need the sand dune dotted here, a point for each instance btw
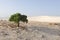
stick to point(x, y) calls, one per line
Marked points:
point(45, 19)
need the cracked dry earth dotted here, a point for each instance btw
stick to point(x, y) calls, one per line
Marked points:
point(30, 33)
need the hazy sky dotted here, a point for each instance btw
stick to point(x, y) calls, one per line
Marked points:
point(30, 7)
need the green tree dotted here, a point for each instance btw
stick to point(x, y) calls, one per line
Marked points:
point(24, 18)
point(18, 17)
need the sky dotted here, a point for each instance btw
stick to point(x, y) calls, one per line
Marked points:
point(30, 7)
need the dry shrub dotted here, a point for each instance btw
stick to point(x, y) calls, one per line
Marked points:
point(55, 23)
point(50, 23)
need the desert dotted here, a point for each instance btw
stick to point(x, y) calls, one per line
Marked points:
point(29, 19)
point(33, 30)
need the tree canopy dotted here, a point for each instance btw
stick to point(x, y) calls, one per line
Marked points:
point(17, 17)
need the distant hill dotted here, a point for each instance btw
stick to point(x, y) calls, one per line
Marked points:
point(54, 19)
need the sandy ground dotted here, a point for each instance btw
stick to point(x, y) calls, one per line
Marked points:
point(32, 31)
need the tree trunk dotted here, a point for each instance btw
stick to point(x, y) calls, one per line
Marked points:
point(18, 24)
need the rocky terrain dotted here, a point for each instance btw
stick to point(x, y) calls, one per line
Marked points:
point(32, 31)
